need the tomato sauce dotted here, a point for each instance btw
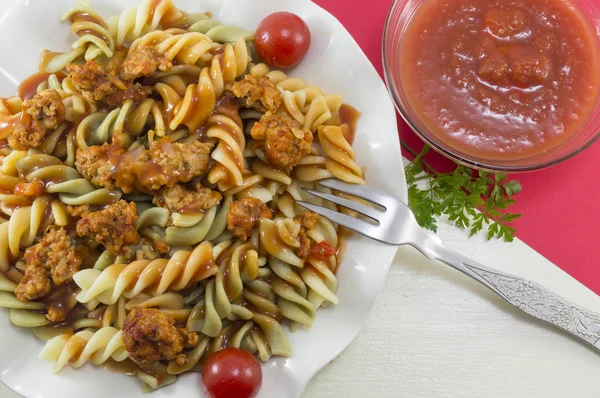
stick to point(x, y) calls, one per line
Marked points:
point(501, 79)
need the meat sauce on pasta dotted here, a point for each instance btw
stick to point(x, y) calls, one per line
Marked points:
point(148, 187)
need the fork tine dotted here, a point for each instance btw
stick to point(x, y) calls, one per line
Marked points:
point(350, 204)
point(359, 226)
point(360, 191)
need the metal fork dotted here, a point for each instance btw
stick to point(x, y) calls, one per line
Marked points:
point(396, 225)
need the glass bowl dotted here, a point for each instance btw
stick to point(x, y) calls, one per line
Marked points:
point(398, 18)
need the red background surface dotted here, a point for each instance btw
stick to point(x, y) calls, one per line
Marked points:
point(559, 205)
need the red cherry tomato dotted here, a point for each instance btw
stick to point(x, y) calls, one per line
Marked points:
point(322, 251)
point(232, 373)
point(282, 39)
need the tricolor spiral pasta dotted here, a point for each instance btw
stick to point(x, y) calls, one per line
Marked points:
point(189, 48)
point(211, 248)
point(260, 335)
point(25, 224)
point(76, 105)
point(25, 315)
point(10, 113)
point(200, 99)
point(189, 230)
point(218, 32)
point(123, 123)
point(229, 154)
point(306, 104)
point(65, 181)
point(154, 277)
point(134, 22)
point(340, 155)
point(280, 239)
point(92, 31)
point(85, 346)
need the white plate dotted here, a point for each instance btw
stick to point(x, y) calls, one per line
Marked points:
point(336, 64)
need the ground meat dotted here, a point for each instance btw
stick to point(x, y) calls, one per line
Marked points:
point(97, 163)
point(285, 141)
point(41, 115)
point(35, 283)
point(96, 81)
point(32, 189)
point(143, 62)
point(165, 164)
point(63, 258)
point(52, 259)
point(150, 335)
point(135, 92)
point(304, 250)
point(114, 82)
point(78, 211)
point(258, 93)
point(245, 215)
point(307, 219)
point(179, 198)
point(114, 227)
point(160, 246)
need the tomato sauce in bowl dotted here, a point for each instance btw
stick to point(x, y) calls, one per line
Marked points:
point(500, 79)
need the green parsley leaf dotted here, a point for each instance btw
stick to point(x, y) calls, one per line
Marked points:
point(472, 200)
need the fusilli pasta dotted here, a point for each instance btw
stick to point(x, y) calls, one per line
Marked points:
point(148, 195)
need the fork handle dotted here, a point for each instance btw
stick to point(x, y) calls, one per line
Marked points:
point(529, 297)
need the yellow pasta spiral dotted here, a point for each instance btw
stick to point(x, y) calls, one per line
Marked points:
point(135, 22)
point(92, 31)
point(25, 224)
point(280, 239)
point(229, 154)
point(200, 99)
point(188, 48)
point(10, 113)
point(306, 104)
point(155, 277)
point(85, 346)
point(340, 155)
point(312, 168)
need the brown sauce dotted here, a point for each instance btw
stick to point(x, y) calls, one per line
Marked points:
point(85, 16)
point(136, 92)
point(155, 370)
point(28, 87)
point(47, 57)
point(62, 299)
point(126, 367)
point(75, 346)
point(349, 116)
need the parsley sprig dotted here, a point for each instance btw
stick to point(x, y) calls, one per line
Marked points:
point(472, 200)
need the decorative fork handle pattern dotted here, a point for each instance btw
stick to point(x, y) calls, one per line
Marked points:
point(528, 296)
